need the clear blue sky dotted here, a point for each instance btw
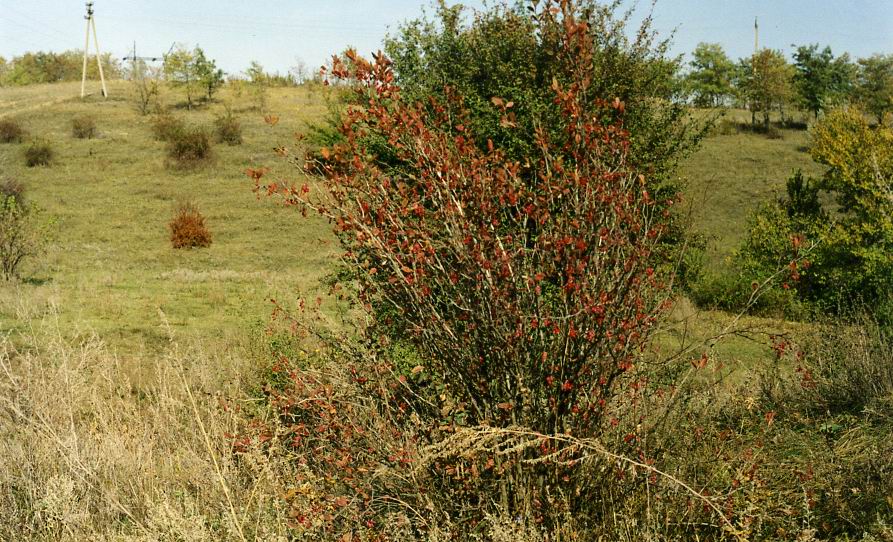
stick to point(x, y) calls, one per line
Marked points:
point(276, 32)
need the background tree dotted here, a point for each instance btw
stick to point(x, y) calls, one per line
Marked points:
point(179, 71)
point(874, 87)
point(710, 80)
point(209, 76)
point(764, 83)
point(851, 261)
point(501, 52)
point(820, 79)
point(40, 67)
point(300, 71)
point(256, 73)
point(259, 81)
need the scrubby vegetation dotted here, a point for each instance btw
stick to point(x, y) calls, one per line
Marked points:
point(11, 131)
point(189, 147)
point(83, 127)
point(24, 231)
point(166, 126)
point(568, 306)
point(188, 229)
point(39, 152)
point(228, 128)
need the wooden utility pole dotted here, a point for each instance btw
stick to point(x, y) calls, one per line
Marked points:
point(91, 23)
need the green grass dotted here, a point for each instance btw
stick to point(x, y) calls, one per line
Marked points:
point(732, 174)
point(112, 269)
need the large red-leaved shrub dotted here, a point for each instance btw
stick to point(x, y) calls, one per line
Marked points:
point(508, 304)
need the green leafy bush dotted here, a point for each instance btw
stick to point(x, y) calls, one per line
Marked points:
point(83, 127)
point(39, 153)
point(189, 147)
point(11, 131)
point(166, 126)
point(837, 255)
point(228, 128)
point(24, 232)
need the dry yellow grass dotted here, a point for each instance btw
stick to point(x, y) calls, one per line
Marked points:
point(91, 448)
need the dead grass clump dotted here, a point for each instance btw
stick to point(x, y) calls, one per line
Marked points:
point(83, 127)
point(91, 448)
point(11, 131)
point(188, 228)
point(189, 148)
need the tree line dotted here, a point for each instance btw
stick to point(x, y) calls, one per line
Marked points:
point(815, 80)
point(49, 67)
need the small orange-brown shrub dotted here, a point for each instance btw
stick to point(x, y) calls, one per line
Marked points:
point(188, 228)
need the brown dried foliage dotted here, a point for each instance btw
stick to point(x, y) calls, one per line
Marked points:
point(188, 228)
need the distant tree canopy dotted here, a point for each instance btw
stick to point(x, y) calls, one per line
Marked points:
point(257, 75)
point(851, 242)
point(709, 83)
point(193, 72)
point(41, 67)
point(504, 53)
point(764, 82)
point(874, 86)
point(820, 79)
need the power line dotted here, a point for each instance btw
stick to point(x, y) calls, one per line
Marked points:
point(252, 25)
point(42, 23)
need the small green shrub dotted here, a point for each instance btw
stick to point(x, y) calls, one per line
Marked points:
point(166, 126)
point(189, 148)
point(11, 131)
point(228, 128)
point(39, 153)
point(24, 233)
point(188, 228)
point(83, 127)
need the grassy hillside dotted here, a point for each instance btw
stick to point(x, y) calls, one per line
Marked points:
point(112, 268)
point(732, 174)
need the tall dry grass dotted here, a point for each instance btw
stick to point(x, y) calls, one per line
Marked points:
point(94, 446)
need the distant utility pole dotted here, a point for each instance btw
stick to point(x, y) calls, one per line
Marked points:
point(91, 22)
point(753, 62)
point(756, 36)
point(134, 59)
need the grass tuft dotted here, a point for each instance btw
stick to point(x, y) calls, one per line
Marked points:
point(83, 127)
point(11, 131)
point(39, 153)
